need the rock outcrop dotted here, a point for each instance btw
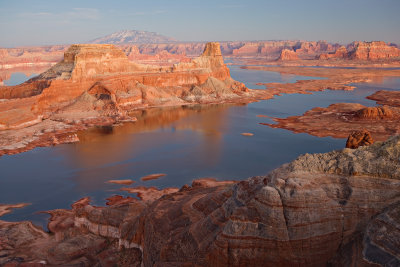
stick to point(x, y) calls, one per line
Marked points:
point(340, 120)
point(366, 51)
point(287, 54)
point(383, 97)
point(373, 51)
point(340, 53)
point(322, 208)
point(375, 113)
point(359, 138)
point(97, 85)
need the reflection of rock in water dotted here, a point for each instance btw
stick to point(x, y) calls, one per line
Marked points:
point(155, 128)
point(106, 129)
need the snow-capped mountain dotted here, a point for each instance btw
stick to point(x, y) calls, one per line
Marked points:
point(132, 37)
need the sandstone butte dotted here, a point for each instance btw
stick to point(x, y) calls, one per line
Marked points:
point(98, 85)
point(339, 209)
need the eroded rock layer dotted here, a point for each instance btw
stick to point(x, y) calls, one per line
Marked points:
point(377, 50)
point(338, 208)
point(97, 85)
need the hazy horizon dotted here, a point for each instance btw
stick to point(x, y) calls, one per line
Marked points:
point(44, 22)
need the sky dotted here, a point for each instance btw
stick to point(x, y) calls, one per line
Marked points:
point(48, 22)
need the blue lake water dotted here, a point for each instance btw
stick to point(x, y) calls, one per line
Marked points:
point(184, 142)
point(17, 78)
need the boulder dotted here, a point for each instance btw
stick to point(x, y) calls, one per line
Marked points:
point(359, 138)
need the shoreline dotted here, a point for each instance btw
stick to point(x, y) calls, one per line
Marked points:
point(337, 79)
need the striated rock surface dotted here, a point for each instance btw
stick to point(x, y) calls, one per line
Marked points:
point(340, 53)
point(98, 85)
point(373, 51)
point(359, 138)
point(376, 50)
point(335, 208)
point(375, 113)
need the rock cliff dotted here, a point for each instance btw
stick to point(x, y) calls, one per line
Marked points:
point(320, 209)
point(97, 84)
point(377, 50)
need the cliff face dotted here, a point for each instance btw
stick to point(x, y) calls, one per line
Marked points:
point(365, 51)
point(97, 85)
point(90, 68)
point(373, 51)
point(335, 208)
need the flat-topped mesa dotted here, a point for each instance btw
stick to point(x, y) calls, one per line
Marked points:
point(373, 51)
point(377, 50)
point(84, 61)
point(90, 60)
point(98, 81)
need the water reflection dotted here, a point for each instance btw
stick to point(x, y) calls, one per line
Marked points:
point(105, 152)
point(18, 75)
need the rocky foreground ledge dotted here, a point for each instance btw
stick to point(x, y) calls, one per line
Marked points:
point(340, 208)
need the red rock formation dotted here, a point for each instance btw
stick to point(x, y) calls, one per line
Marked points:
point(322, 208)
point(383, 97)
point(375, 113)
point(340, 120)
point(340, 53)
point(359, 138)
point(287, 54)
point(373, 51)
point(97, 84)
point(365, 51)
point(31, 56)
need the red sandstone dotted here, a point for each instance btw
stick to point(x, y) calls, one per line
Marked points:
point(98, 85)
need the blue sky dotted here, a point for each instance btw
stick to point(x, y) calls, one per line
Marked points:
point(43, 22)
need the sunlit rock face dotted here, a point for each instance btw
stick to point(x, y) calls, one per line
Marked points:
point(377, 50)
point(97, 85)
point(287, 55)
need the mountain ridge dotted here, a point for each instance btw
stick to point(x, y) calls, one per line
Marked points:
point(132, 37)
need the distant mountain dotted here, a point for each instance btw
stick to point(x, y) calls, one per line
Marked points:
point(133, 37)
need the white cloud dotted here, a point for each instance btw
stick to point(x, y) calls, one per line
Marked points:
point(68, 16)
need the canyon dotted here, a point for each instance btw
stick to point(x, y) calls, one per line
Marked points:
point(307, 53)
point(337, 208)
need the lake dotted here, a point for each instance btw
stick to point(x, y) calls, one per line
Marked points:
point(184, 142)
